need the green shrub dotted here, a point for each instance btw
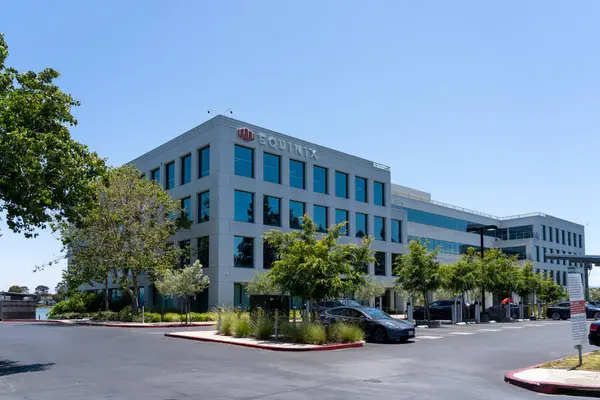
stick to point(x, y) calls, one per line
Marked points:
point(212, 316)
point(262, 328)
point(106, 316)
point(242, 328)
point(200, 317)
point(228, 321)
point(313, 333)
point(345, 333)
point(71, 315)
point(172, 317)
point(77, 303)
point(293, 332)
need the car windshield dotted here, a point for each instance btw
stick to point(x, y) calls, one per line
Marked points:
point(375, 313)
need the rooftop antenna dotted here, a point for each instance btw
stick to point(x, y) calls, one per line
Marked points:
point(213, 112)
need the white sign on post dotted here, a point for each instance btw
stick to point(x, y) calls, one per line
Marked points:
point(578, 315)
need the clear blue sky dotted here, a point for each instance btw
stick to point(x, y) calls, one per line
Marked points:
point(493, 107)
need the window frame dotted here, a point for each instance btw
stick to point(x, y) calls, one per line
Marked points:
point(376, 235)
point(366, 189)
point(251, 239)
point(345, 231)
point(201, 158)
point(375, 183)
point(303, 163)
point(321, 208)
point(315, 167)
point(182, 169)
point(336, 184)
point(265, 202)
point(290, 214)
point(278, 157)
point(167, 180)
point(201, 208)
point(235, 191)
point(366, 233)
point(252, 175)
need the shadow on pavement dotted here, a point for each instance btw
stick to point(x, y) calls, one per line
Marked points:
point(8, 367)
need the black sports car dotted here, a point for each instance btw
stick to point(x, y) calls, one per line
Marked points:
point(594, 336)
point(377, 325)
point(563, 311)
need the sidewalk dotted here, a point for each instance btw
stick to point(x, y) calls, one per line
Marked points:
point(554, 381)
point(115, 324)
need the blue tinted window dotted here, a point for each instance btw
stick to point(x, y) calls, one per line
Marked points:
point(445, 246)
point(342, 216)
point(296, 214)
point(519, 251)
point(378, 195)
point(204, 207)
point(202, 251)
point(270, 255)
point(170, 172)
point(379, 228)
point(550, 230)
point(185, 252)
point(244, 206)
point(320, 218)
point(243, 249)
point(244, 161)
point(396, 231)
point(557, 239)
point(569, 238)
point(319, 179)
point(186, 205)
point(380, 263)
point(543, 232)
point(361, 225)
point(360, 188)
point(341, 184)
point(186, 169)
point(155, 175)
point(297, 174)
point(426, 218)
point(204, 162)
point(271, 214)
point(271, 168)
point(580, 242)
point(520, 232)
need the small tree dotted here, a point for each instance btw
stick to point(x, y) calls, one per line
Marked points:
point(41, 290)
point(528, 282)
point(418, 271)
point(15, 289)
point(262, 284)
point(372, 288)
point(497, 273)
point(184, 283)
point(314, 265)
point(461, 276)
point(550, 292)
point(595, 294)
point(24, 290)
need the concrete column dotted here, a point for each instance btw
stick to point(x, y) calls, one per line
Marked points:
point(285, 213)
point(388, 264)
point(351, 186)
point(392, 299)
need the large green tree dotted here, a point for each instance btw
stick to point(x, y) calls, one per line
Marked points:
point(462, 276)
point(595, 294)
point(418, 271)
point(262, 284)
point(315, 266)
point(45, 174)
point(128, 230)
point(497, 273)
point(528, 282)
point(371, 289)
point(550, 292)
point(42, 290)
point(15, 289)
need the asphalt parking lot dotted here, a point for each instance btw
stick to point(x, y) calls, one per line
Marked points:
point(45, 361)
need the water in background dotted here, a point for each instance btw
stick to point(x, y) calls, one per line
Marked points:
point(40, 313)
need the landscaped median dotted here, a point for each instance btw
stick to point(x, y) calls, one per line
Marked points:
point(561, 376)
point(263, 331)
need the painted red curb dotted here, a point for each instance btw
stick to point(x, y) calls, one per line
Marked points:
point(326, 347)
point(547, 387)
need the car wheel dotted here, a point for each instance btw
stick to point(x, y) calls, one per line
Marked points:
point(556, 316)
point(379, 335)
point(597, 315)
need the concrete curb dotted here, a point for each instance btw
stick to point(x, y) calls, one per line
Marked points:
point(116, 325)
point(324, 347)
point(549, 387)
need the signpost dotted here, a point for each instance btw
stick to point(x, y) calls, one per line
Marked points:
point(578, 315)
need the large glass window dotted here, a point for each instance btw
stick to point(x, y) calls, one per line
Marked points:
point(574, 239)
point(396, 231)
point(341, 184)
point(380, 263)
point(378, 193)
point(296, 214)
point(271, 211)
point(519, 251)
point(272, 168)
point(184, 252)
point(361, 225)
point(155, 175)
point(580, 242)
point(170, 172)
point(297, 174)
point(551, 252)
point(204, 162)
point(186, 206)
point(556, 231)
point(520, 232)
point(202, 250)
point(360, 189)
point(243, 249)
point(562, 233)
point(441, 221)
point(243, 161)
point(270, 255)
point(569, 238)
point(342, 216)
point(550, 230)
point(319, 179)
point(204, 207)
point(537, 253)
point(544, 254)
point(379, 228)
point(186, 169)
point(244, 206)
point(543, 232)
point(240, 297)
point(320, 218)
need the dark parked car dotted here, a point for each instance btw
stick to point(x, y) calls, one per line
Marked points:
point(442, 309)
point(594, 336)
point(332, 303)
point(498, 313)
point(377, 325)
point(563, 311)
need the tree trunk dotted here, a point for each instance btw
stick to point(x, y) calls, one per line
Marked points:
point(106, 293)
point(134, 294)
point(187, 310)
point(426, 300)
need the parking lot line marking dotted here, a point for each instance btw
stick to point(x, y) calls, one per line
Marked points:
point(528, 325)
point(512, 327)
point(430, 337)
point(461, 333)
point(489, 330)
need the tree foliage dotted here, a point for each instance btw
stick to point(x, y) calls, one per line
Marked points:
point(462, 276)
point(498, 273)
point(262, 284)
point(128, 230)
point(372, 288)
point(15, 289)
point(315, 266)
point(418, 271)
point(24, 290)
point(45, 174)
point(550, 292)
point(42, 290)
point(528, 282)
point(595, 294)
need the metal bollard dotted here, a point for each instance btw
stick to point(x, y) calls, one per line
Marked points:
point(276, 324)
point(409, 310)
point(477, 312)
point(220, 311)
point(142, 314)
point(521, 310)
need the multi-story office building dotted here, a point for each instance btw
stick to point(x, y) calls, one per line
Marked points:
point(224, 170)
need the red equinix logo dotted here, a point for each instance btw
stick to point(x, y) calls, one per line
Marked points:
point(245, 134)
